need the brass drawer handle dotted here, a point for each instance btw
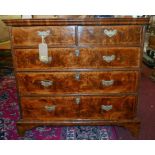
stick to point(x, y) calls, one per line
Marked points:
point(77, 100)
point(110, 33)
point(109, 59)
point(46, 83)
point(43, 34)
point(77, 53)
point(107, 82)
point(77, 76)
point(106, 107)
point(50, 108)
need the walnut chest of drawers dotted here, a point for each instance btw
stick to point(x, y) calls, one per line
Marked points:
point(91, 76)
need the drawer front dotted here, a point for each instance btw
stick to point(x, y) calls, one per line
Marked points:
point(28, 36)
point(110, 35)
point(109, 108)
point(78, 107)
point(48, 107)
point(77, 82)
point(66, 58)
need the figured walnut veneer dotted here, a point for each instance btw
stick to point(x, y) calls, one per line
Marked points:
point(92, 78)
point(125, 35)
point(66, 82)
point(28, 36)
point(89, 107)
point(65, 58)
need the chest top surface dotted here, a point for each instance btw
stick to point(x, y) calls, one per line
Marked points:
point(86, 21)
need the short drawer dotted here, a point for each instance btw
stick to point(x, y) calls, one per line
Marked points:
point(110, 35)
point(49, 107)
point(78, 107)
point(69, 58)
point(58, 35)
point(77, 82)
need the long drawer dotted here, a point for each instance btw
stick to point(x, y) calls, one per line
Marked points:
point(69, 58)
point(77, 82)
point(81, 107)
point(110, 35)
point(56, 35)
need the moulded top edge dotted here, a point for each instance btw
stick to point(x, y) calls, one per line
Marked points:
point(86, 21)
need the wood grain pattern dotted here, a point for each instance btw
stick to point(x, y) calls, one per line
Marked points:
point(89, 107)
point(89, 82)
point(123, 107)
point(28, 36)
point(35, 108)
point(65, 58)
point(126, 35)
point(152, 42)
point(82, 76)
point(87, 21)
